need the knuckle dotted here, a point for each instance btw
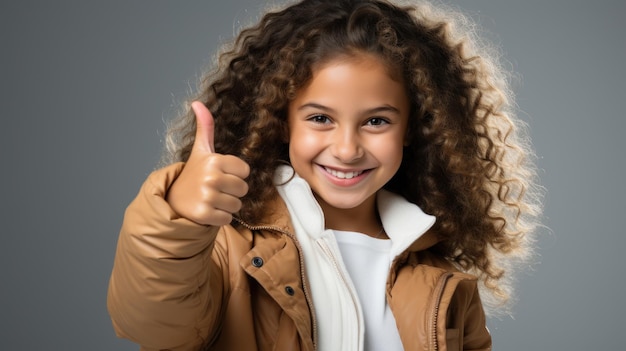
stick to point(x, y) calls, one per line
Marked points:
point(238, 205)
point(244, 189)
point(226, 218)
point(246, 170)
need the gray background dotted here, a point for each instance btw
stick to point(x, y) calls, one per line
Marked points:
point(86, 87)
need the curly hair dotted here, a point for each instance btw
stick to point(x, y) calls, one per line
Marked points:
point(468, 162)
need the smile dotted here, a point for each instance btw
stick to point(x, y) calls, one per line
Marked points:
point(343, 175)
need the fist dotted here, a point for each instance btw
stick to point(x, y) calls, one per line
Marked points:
point(210, 186)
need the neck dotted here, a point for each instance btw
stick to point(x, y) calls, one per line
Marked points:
point(361, 219)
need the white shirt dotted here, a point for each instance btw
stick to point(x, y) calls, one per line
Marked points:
point(368, 261)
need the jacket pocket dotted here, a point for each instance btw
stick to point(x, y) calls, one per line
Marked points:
point(287, 338)
point(453, 340)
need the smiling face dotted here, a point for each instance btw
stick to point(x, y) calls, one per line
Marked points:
point(346, 133)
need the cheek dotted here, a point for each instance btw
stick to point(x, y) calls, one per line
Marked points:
point(389, 151)
point(302, 146)
point(395, 157)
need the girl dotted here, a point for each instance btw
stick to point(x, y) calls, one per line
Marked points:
point(347, 177)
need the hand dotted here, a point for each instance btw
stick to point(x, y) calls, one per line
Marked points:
point(209, 188)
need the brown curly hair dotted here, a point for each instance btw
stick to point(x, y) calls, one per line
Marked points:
point(468, 162)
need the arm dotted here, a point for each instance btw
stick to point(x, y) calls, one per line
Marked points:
point(475, 335)
point(165, 291)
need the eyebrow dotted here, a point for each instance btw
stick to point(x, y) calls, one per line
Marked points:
point(383, 108)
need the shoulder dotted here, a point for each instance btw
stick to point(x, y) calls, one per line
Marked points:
point(430, 258)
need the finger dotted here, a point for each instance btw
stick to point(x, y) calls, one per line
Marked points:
point(227, 203)
point(217, 218)
point(205, 127)
point(233, 185)
point(234, 165)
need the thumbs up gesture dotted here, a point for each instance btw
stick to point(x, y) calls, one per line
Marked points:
point(209, 188)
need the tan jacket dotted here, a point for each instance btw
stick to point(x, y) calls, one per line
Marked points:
point(177, 285)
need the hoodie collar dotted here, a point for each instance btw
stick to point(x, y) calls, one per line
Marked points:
point(404, 222)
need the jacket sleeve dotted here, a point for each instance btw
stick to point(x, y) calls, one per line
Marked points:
point(476, 336)
point(165, 291)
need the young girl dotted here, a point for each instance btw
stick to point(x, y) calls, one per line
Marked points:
point(348, 178)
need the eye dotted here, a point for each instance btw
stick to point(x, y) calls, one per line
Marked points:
point(321, 119)
point(377, 121)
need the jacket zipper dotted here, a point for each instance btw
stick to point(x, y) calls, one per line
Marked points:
point(336, 265)
point(434, 311)
point(305, 288)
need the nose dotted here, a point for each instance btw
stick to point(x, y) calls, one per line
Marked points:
point(347, 146)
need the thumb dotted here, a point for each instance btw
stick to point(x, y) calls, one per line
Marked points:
point(205, 127)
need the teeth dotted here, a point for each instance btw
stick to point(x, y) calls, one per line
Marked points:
point(343, 175)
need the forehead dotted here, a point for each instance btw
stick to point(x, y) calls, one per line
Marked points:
point(394, 72)
point(352, 84)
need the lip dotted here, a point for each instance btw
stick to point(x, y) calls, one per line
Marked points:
point(344, 177)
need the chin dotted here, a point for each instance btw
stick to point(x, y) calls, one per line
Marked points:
point(343, 203)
